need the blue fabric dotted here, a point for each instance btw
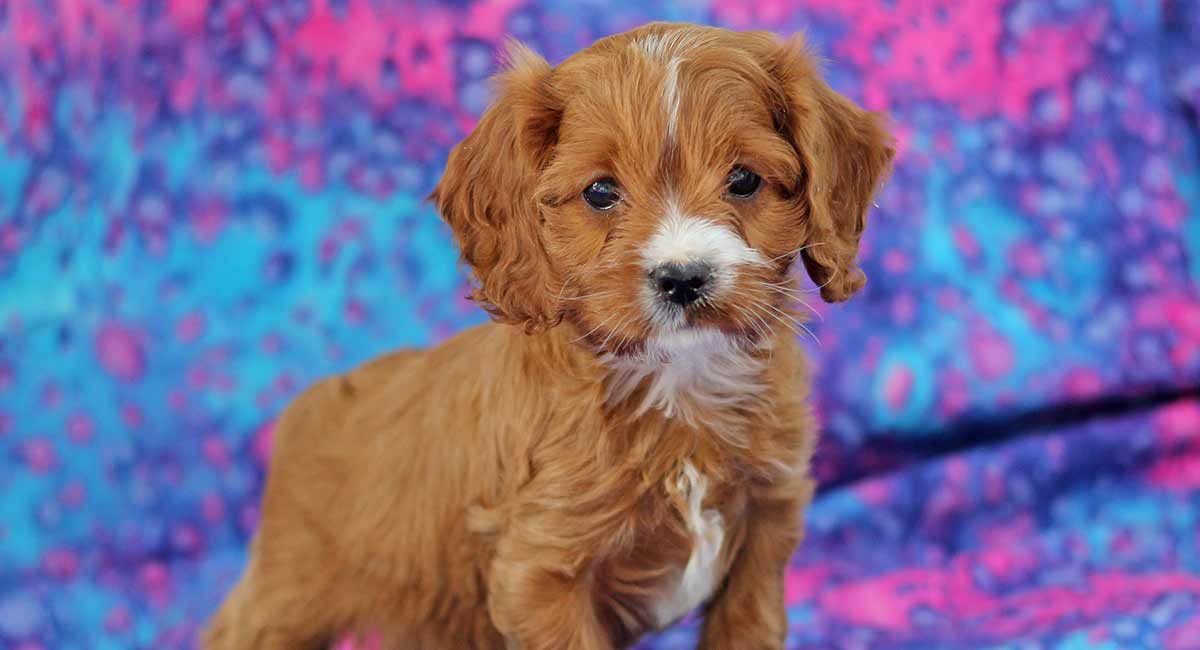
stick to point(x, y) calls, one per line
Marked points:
point(204, 207)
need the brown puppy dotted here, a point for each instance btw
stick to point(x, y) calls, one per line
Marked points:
point(631, 439)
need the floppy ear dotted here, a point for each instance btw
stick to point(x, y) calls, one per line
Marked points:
point(487, 194)
point(845, 153)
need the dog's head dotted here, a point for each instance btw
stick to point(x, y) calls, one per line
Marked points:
point(663, 181)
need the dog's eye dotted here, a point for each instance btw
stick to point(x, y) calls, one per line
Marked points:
point(742, 183)
point(602, 194)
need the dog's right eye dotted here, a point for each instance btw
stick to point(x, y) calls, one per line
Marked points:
point(602, 194)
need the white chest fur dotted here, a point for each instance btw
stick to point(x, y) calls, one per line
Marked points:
point(700, 576)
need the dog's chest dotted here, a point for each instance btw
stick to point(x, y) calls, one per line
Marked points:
point(695, 582)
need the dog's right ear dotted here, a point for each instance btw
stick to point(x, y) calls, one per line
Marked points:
point(487, 194)
point(845, 151)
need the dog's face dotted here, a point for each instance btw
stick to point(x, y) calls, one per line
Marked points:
point(662, 183)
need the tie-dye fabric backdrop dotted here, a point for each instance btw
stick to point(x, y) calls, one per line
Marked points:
point(206, 205)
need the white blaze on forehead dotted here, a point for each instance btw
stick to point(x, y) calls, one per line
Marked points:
point(690, 239)
point(671, 95)
point(665, 48)
point(662, 46)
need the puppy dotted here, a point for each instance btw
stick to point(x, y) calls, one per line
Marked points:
point(629, 440)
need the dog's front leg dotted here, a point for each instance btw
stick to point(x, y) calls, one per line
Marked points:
point(540, 595)
point(749, 611)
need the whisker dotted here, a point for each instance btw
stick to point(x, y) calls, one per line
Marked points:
point(756, 316)
point(599, 294)
point(760, 303)
point(593, 330)
point(778, 313)
point(795, 252)
point(620, 324)
point(798, 299)
point(760, 327)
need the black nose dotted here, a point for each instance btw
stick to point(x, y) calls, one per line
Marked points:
point(681, 284)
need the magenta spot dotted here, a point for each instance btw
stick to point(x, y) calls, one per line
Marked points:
point(7, 375)
point(80, 428)
point(154, 577)
point(327, 249)
point(488, 20)
point(187, 15)
point(190, 327)
point(802, 585)
point(885, 602)
point(10, 238)
point(131, 415)
point(119, 350)
point(1007, 561)
point(1184, 317)
point(896, 262)
point(355, 311)
point(1179, 422)
point(118, 619)
point(207, 220)
point(904, 308)
point(949, 299)
point(262, 442)
point(1183, 636)
point(897, 387)
point(875, 493)
point(212, 508)
point(51, 395)
point(966, 242)
point(61, 563)
point(1028, 259)
point(73, 494)
point(1122, 543)
point(359, 642)
point(1177, 473)
point(279, 153)
point(955, 395)
point(248, 516)
point(992, 355)
point(312, 172)
point(285, 383)
point(1083, 383)
point(197, 377)
point(271, 343)
point(184, 90)
point(40, 455)
point(223, 382)
point(216, 452)
point(186, 539)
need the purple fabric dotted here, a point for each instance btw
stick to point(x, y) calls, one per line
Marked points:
point(206, 206)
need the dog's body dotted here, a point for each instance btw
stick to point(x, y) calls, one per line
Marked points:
point(615, 452)
point(389, 508)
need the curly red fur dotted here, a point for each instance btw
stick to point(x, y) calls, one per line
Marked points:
point(525, 484)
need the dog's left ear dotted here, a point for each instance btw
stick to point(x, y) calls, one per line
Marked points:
point(487, 194)
point(845, 153)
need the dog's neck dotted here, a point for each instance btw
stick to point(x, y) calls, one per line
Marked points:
point(700, 378)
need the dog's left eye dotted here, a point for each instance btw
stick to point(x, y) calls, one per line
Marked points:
point(742, 183)
point(602, 194)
